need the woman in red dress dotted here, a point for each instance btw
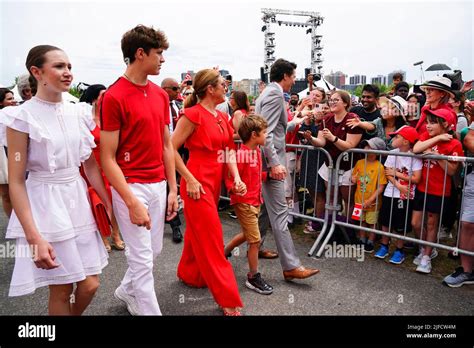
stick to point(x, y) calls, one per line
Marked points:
point(207, 134)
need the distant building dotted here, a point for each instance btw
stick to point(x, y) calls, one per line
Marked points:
point(349, 88)
point(379, 80)
point(337, 79)
point(390, 76)
point(249, 86)
point(358, 80)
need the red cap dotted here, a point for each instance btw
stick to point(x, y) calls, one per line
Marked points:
point(409, 133)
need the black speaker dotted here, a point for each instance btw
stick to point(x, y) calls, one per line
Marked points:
point(263, 75)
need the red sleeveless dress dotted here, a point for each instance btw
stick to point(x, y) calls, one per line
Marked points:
point(203, 262)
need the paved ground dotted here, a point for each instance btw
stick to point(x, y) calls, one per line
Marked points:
point(344, 287)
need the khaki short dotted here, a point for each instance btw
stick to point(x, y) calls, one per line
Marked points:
point(370, 217)
point(248, 218)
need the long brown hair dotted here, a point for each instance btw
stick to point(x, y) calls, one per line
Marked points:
point(37, 57)
point(202, 79)
point(241, 100)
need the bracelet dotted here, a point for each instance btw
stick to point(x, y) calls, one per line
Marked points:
point(335, 140)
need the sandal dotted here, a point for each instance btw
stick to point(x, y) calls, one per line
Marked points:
point(119, 246)
point(107, 246)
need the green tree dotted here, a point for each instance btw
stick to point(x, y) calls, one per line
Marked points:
point(75, 91)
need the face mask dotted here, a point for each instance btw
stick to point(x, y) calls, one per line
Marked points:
point(294, 102)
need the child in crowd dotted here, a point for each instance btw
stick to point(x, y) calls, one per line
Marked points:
point(437, 140)
point(369, 174)
point(403, 173)
point(253, 132)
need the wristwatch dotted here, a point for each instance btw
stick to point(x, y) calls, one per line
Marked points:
point(335, 140)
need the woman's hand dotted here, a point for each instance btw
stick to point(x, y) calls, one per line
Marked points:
point(43, 255)
point(307, 136)
point(194, 189)
point(402, 188)
point(299, 120)
point(354, 122)
point(328, 135)
point(239, 187)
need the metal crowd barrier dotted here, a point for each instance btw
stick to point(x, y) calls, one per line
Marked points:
point(335, 207)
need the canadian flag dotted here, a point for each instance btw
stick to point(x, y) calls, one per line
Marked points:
point(357, 212)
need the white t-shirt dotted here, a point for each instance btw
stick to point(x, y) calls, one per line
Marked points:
point(406, 165)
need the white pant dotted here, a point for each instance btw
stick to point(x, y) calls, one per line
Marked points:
point(142, 245)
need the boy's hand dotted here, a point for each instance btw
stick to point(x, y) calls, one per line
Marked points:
point(239, 187)
point(402, 188)
point(391, 171)
point(354, 178)
point(367, 204)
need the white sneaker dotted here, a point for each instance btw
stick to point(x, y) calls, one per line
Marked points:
point(444, 233)
point(425, 265)
point(417, 260)
point(129, 300)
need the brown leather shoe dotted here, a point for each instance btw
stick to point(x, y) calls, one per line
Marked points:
point(300, 273)
point(267, 254)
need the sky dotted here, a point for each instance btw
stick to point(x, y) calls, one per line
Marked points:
point(359, 37)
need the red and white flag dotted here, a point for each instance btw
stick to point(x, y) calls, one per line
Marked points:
point(357, 212)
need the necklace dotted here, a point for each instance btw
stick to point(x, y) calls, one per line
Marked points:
point(216, 117)
point(129, 79)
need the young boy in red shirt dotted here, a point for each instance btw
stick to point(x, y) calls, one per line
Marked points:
point(435, 183)
point(253, 132)
point(137, 157)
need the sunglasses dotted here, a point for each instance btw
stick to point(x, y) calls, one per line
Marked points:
point(173, 88)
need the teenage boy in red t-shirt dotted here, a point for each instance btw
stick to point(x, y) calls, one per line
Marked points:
point(253, 132)
point(137, 157)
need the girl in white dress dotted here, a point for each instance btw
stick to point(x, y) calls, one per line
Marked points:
point(57, 243)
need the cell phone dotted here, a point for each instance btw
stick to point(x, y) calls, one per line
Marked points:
point(317, 107)
point(229, 78)
point(189, 83)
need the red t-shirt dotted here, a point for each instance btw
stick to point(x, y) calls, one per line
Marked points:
point(249, 164)
point(292, 137)
point(340, 130)
point(140, 113)
point(421, 125)
point(436, 174)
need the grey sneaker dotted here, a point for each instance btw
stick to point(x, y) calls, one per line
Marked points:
point(129, 300)
point(459, 278)
point(417, 260)
point(425, 265)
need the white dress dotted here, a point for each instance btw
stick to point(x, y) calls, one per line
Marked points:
point(59, 140)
